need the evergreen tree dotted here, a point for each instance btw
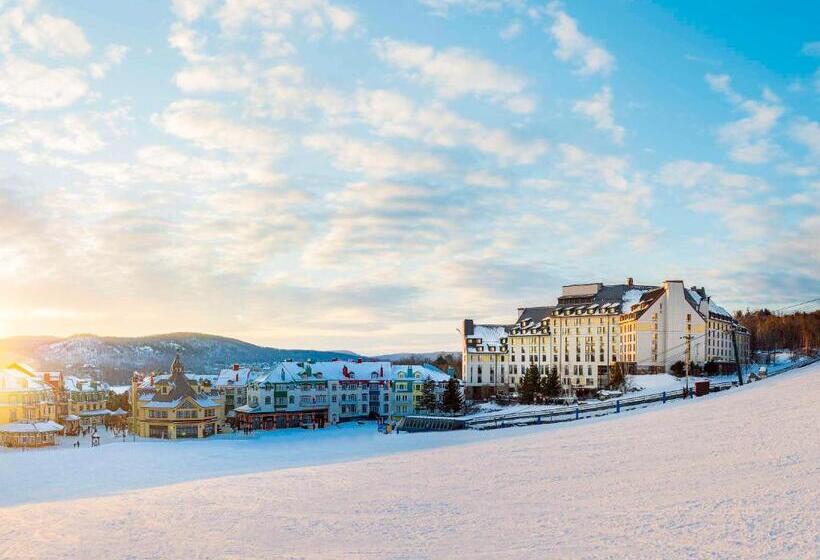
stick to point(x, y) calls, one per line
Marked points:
point(552, 384)
point(453, 399)
point(617, 376)
point(428, 395)
point(531, 385)
point(678, 369)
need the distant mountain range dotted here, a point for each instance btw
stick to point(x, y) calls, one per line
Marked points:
point(113, 359)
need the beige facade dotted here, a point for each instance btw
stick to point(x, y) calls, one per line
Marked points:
point(170, 407)
point(593, 326)
point(23, 397)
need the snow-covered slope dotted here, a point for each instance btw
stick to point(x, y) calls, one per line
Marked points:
point(731, 475)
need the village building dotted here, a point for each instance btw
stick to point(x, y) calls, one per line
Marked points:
point(307, 394)
point(79, 402)
point(232, 384)
point(594, 326)
point(170, 406)
point(27, 409)
point(23, 397)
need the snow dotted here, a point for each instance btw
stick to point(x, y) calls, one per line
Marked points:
point(30, 427)
point(630, 298)
point(729, 475)
point(489, 335)
point(714, 308)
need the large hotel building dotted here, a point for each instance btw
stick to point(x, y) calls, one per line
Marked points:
point(591, 327)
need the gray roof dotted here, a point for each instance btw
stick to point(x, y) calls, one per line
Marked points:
point(535, 314)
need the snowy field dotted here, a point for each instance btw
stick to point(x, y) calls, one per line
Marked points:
point(731, 475)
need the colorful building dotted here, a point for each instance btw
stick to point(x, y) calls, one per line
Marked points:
point(309, 394)
point(170, 406)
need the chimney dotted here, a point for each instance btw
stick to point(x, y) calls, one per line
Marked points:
point(381, 371)
point(345, 373)
point(237, 378)
point(629, 281)
point(236, 367)
point(469, 327)
point(359, 360)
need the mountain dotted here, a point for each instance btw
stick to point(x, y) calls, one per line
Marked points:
point(113, 359)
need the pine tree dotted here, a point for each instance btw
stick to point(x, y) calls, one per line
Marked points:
point(552, 384)
point(678, 369)
point(531, 385)
point(428, 395)
point(453, 400)
point(617, 376)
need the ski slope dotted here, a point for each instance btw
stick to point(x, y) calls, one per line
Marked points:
point(731, 475)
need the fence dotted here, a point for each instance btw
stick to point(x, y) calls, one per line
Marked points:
point(550, 415)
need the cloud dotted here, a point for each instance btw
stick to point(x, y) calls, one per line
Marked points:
point(378, 225)
point(29, 86)
point(114, 55)
point(203, 123)
point(393, 115)
point(213, 76)
point(598, 109)
point(710, 178)
point(313, 15)
point(274, 45)
point(486, 179)
point(455, 72)
point(573, 46)
point(811, 49)
point(69, 134)
point(189, 42)
point(442, 7)
point(748, 138)
point(373, 159)
point(710, 189)
point(807, 133)
point(190, 10)
point(511, 31)
point(55, 36)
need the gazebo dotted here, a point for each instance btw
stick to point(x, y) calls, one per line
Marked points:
point(29, 434)
point(72, 424)
point(118, 418)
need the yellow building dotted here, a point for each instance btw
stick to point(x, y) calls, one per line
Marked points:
point(23, 397)
point(169, 407)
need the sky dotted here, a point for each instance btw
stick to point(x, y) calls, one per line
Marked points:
point(363, 175)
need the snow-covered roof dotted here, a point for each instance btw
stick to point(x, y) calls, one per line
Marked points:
point(12, 379)
point(424, 372)
point(241, 376)
point(84, 385)
point(489, 334)
point(292, 372)
point(30, 427)
point(714, 309)
point(630, 298)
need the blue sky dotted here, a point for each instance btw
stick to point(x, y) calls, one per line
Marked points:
point(362, 175)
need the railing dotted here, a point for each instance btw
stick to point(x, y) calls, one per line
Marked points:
point(548, 415)
point(569, 413)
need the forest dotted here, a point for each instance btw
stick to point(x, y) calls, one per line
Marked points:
point(771, 331)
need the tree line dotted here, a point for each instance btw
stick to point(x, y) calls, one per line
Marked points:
point(770, 331)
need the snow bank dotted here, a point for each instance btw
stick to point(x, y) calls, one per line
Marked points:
point(731, 475)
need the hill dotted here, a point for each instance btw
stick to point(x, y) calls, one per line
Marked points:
point(113, 359)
